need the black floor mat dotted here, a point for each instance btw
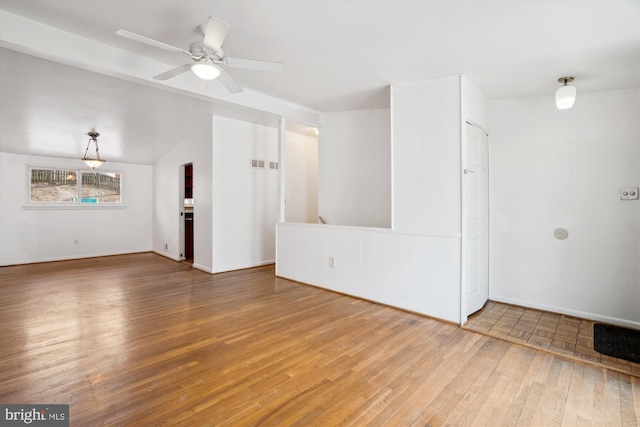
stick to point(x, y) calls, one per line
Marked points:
point(617, 342)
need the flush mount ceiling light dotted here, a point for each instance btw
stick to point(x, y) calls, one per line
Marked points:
point(93, 162)
point(205, 70)
point(565, 95)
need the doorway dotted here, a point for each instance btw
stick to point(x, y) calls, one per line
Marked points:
point(475, 220)
point(187, 213)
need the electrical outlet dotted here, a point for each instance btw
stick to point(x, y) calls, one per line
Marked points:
point(166, 246)
point(629, 193)
point(332, 262)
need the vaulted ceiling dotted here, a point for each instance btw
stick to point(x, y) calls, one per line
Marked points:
point(338, 55)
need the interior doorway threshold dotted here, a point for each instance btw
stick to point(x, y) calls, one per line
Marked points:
point(561, 335)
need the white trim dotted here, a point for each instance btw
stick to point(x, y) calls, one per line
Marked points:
point(463, 208)
point(242, 267)
point(203, 268)
point(282, 177)
point(568, 312)
point(392, 154)
point(371, 229)
point(166, 255)
point(96, 206)
point(474, 124)
point(72, 257)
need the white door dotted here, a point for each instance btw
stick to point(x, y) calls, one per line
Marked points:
point(475, 231)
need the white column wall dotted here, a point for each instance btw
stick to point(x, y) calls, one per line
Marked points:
point(426, 156)
point(245, 200)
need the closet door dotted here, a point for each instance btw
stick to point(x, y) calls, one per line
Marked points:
point(475, 232)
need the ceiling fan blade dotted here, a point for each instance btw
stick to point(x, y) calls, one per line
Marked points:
point(214, 34)
point(228, 82)
point(173, 72)
point(252, 64)
point(147, 40)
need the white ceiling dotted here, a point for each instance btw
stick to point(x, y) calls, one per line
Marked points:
point(338, 55)
point(38, 106)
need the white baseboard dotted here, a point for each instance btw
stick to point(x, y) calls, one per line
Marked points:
point(203, 268)
point(167, 255)
point(213, 270)
point(71, 257)
point(242, 267)
point(568, 312)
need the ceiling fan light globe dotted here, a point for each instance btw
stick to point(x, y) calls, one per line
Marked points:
point(565, 97)
point(205, 70)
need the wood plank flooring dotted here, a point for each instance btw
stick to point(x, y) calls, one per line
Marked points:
point(559, 334)
point(140, 340)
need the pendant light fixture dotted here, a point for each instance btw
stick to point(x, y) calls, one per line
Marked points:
point(96, 162)
point(565, 95)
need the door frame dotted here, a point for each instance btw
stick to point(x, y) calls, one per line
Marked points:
point(181, 226)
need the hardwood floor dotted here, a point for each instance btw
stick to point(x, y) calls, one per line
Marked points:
point(143, 340)
point(562, 335)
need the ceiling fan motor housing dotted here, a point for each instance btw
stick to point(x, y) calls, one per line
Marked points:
point(198, 52)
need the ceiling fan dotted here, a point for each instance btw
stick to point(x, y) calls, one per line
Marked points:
point(207, 55)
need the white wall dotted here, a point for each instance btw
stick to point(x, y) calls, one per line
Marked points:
point(301, 190)
point(167, 205)
point(354, 178)
point(414, 272)
point(551, 169)
point(37, 235)
point(426, 156)
point(245, 201)
point(475, 105)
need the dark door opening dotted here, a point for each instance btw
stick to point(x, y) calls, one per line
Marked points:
point(188, 213)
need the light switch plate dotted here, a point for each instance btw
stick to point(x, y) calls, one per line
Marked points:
point(629, 193)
